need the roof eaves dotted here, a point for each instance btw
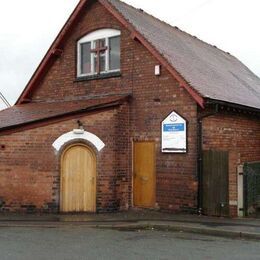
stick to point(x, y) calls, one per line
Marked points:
point(209, 101)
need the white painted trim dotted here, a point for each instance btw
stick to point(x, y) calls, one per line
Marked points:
point(78, 134)
point(91, 37)
point(99, 34)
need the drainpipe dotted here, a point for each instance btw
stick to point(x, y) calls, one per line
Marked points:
point(200, 157)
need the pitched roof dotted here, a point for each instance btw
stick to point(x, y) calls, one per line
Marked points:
point(202, 69)
point(212, 72)
point(24, 114)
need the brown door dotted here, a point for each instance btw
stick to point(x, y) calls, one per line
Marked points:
point(144, 174)
point(215, 183)
point(78, 179)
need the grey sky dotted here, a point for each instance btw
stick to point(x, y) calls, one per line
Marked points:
point(27, 28)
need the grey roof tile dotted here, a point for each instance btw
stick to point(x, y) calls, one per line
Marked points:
point(212, 72)
point(29, 113)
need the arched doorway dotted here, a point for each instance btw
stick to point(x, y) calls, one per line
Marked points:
point(78, 179)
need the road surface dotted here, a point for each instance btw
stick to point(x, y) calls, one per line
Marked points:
point(78, 242)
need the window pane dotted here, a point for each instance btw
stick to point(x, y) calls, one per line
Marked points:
point(95, 44)
point(100, 43)
point(95, 63)
point(114, 53)
point(85, 58)
point(102, 63)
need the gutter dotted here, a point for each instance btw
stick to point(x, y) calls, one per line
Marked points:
point(232, 105)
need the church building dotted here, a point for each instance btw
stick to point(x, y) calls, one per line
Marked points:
point(126, 111)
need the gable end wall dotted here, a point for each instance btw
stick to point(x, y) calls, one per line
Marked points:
point(153, 99)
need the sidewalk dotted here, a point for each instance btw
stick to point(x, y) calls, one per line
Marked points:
point(143, 219)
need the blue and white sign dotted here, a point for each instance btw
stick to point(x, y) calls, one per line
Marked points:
point(174, 134)
point(173, 127)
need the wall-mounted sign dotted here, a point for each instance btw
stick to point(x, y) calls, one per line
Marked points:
point(174, 134)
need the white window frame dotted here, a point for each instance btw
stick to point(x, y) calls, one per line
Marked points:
point(91, 37)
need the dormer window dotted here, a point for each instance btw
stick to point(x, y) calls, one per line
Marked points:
point(99, 53)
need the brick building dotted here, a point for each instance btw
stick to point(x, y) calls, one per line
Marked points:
point(86, 133)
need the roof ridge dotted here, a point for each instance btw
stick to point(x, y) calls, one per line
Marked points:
point(173, 27)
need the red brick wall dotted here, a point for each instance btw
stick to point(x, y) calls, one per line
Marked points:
point(237, 134)
point(30, 167)
point(153, 99)
point(123, 159)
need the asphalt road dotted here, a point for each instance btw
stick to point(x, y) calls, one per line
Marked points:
point(88, 243)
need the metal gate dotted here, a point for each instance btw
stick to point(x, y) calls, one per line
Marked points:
point(251, 178)
point(215, 183)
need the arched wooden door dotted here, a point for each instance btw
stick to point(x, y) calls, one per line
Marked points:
point(78, 179)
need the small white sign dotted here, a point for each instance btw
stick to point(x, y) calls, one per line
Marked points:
point(174, 134)
point(157, 70)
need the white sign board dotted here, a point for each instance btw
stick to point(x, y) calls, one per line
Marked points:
point(174, 134)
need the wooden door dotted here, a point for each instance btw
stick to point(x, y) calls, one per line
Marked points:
point(144, 174)
point(78, 180)
point(215, 183)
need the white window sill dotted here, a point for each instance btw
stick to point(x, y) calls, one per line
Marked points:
point(106, 75)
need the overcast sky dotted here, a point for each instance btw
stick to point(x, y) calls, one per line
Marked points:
point(28, 27)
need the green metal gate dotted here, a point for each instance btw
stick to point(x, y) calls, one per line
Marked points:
point(251, 188)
